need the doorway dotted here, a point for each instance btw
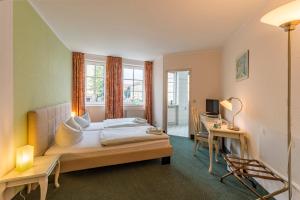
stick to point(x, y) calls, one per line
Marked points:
point(178, 103)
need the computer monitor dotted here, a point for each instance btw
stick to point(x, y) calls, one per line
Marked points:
point(212, 106)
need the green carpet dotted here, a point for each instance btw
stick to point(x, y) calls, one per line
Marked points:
point(186, 178)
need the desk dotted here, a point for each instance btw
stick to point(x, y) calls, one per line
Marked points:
point(208, 124)
point(38, 173)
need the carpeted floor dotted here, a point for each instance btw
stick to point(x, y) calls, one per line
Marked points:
point(186, 178)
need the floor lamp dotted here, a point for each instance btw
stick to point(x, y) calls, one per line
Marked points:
point(286, 17)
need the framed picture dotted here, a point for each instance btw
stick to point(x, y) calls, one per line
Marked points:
point(242, 67)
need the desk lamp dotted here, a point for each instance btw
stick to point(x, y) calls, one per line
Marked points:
point(227, 103)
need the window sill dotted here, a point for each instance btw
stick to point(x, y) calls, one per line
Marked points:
point(91, 105)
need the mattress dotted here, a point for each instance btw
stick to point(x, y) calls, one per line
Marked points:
point(90, 147)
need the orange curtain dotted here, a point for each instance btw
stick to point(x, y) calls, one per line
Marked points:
point(78, 83)
point(148, 91)
point(114, 88)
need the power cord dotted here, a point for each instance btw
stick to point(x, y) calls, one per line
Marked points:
point(23, 197)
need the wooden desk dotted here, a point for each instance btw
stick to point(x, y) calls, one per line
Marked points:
point(208, 124)
point(38, 173)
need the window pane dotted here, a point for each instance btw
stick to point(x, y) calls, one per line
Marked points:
point(89, 92)
point(170, 97)
point(137, 98)
point(94, 87)
point(128, 73)
point(133, 85)
point(171, 87)
point(99, 84)
point(99, 71)
point(128, 96)
point(128, 85)
point(138, 86)
point(171, 76)
point(90, 70)
point(138, 74)
point(90, 83)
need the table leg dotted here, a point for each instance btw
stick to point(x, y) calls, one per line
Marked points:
point(217, 150)
point(2, 189)
point(28, 188)
point(242, 140)
point(57, 171)
point(43, 181)
point(210, 146)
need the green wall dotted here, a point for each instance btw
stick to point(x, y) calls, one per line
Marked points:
point(42, 67)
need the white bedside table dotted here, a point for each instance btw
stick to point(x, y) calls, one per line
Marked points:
point(41, 169)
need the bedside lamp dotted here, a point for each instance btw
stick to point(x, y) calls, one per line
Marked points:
point(24, 158)
point(73, 114)
point(286, 17)
point(227, 103)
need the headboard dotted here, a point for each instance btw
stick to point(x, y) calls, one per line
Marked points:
point(42, 125)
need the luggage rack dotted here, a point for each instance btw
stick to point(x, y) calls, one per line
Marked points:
point(246, 169)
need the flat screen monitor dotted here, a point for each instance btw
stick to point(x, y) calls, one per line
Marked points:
point(212, 106)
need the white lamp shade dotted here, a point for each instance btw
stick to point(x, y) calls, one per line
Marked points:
point(226, 104)
point(284, 14)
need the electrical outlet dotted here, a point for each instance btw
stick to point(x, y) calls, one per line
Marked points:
point(263, 131)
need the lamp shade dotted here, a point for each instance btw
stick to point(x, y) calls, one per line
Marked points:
point(287, 13)
point(24, 158)
point(226, 104)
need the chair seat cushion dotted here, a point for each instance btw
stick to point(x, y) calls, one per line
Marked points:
point(202, 134)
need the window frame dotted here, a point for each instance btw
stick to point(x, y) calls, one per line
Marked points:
point(95, 62)
point(141, 67)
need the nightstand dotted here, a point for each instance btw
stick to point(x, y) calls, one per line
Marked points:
point(38, 173)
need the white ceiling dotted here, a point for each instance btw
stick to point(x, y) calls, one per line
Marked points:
point(144, 29)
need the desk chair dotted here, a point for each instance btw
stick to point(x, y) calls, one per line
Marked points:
point(200, 136)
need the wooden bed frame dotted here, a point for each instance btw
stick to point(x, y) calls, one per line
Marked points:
point(43, 122)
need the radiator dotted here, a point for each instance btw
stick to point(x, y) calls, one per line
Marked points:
point(134, 113)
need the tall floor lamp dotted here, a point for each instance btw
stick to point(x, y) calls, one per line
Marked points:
point(286, 17)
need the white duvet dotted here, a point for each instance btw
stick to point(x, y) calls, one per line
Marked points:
point(125, 135)
point(94, 126)
point(124, 122)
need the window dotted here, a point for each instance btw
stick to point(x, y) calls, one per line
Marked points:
point(94, 82)
point(133, 85)
point(172, 88)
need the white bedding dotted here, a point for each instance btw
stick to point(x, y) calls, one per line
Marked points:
point(125, 135)
point(90, 146)
point(123, 122)
point(94, 126)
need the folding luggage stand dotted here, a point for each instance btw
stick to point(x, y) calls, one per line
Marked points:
point(247, 169)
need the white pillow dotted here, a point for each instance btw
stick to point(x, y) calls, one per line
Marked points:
point(67, 136)
point(87, 117)
point(82, 122)
point(72, 123)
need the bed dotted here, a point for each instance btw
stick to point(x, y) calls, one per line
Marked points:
point(42, 124)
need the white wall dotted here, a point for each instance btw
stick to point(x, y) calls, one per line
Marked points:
point(205, 75)
point(6, 87)
point(264, 94)
point(158, 92)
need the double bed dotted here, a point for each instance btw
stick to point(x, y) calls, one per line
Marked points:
point(94, 150)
